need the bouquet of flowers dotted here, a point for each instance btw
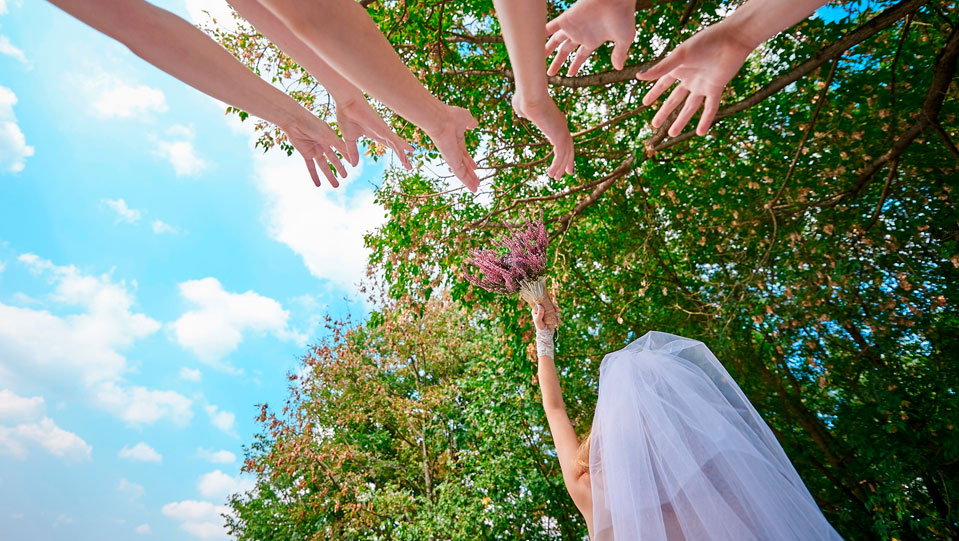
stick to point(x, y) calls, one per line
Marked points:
point(516, 264)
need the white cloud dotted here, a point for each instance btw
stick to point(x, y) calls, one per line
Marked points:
point(19, 409)
point(109, 96)
point(190, 374)
point(3, 267)
point(13, 144)
point(199, 518)
point(218, 486)
point(160, 227)
point(140, 452)
point(177, 148)
point(323, 225)
point(10, 49)
point(217, 457)
point(216, 326)
point(143, 529)
point(130, 488)
point(138, 405)
point(45, 434)
point(124, 213)
point(82, 351)
point(3, 7)
point(223, 420)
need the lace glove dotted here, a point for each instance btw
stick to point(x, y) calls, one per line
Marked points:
point(544, 342)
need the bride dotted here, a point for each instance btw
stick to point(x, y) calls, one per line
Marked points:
point(676, 451)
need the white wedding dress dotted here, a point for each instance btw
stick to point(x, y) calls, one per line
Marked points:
point(679, 453)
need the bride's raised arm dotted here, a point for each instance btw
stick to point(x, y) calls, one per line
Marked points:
point(567, 444)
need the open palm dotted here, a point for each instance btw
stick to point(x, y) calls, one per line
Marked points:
point(356, 119)
point(587, 25)
point(703, 65)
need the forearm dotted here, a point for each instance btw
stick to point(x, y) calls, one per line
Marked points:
point(549, 385)
point(267, 24)
point(758, 20)
point(524, 32)
point(344, 35)
point(181, 50)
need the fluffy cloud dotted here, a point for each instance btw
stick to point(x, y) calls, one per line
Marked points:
point(31, 428)
point(177, 148)
point(190, 374)
point(218, 486)
point(324, 226)
point(160, 227)
point(130, 488)
point(140, 452)
point(216, 326)
point(10, 49)
point(143, 529)
point(45, 434)
point(82, 351)
point(223, 420)
point(216, 457)
point(110, 96)
point(18, 409)
point(13, 144)
point(199, 518)
point(124, 213)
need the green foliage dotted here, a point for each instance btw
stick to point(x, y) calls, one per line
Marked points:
point(810, 240)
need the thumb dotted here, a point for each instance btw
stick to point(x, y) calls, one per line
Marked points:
point(662, 68)
point(620, 51)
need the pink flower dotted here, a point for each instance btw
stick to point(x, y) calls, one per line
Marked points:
point(518, 257)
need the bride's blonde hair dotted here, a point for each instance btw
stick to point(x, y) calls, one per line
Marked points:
point(582, 454)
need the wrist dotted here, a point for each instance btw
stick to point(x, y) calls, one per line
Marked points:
point(744, 29)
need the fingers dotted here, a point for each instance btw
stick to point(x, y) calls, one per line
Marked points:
point(661, 86)
point(673, 101)
point(692, 105)
point(538, 316)
point(554, 41)
point(553, 26)
point(312, 169)
point(662, 68)
point(561, 55)
point(330, 156)
point(581, 55)
point(470, 161)
point(620, 52)
point(709, 113)
point(324, 167)
point(352, 151)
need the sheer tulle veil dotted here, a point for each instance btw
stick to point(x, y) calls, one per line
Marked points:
point(678, 452)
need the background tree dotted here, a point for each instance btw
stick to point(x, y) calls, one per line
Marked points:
point(811, 240)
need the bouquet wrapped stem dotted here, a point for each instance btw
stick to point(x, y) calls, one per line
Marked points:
point(534, 292)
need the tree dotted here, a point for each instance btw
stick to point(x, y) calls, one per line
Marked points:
point(810, 240)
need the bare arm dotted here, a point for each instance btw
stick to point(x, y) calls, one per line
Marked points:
point(178, 48)
point(353, 112)
point(524, 32)
point(344, 35)
point(564, 436)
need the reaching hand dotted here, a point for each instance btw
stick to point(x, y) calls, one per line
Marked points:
point(316, 142)
point(587, 25)
point(703, 65)
point(548, 118)
point(449, 136)
point(356, 118)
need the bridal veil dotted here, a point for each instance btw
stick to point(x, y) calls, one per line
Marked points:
point(679, 453)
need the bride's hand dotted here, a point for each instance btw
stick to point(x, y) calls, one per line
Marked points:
point(539, 314)
point(703, 65)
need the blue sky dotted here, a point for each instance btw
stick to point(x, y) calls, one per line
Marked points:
point(158, 278)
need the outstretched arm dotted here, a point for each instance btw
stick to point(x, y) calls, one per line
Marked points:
point(344, 35)
point(353, 113)
point(564, 436)
point(706, 62)
point(524, 31)
point(178, 48)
